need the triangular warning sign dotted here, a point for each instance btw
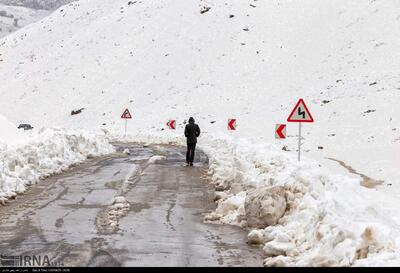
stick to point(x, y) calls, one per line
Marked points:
point(126, 114)
point(300, 113)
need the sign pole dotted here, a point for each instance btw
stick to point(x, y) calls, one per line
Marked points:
point(299, 140)
point(231, 128)
point(300, 114)
point(126, 115)
point(126, 125)
point(234, 155)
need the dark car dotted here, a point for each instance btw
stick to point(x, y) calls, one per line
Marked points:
point(25, 127)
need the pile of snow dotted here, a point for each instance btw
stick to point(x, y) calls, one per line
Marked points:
point(156, 158)
point(317, 218)
point(118, 209)
point(265, 206)
point(48, 152)
point(108, 221)
point(327, 220)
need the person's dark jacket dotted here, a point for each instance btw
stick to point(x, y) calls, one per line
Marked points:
point(192, 131)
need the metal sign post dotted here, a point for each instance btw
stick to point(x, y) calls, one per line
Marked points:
point(300, 114)
point(231, 128)
point(298, 157)
point(126, 115)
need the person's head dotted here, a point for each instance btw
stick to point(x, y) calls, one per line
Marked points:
point(191, 120)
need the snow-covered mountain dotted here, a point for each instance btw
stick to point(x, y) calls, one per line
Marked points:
point(13, 18)
point(15, 14)
point(244, 59)
point(36, 4)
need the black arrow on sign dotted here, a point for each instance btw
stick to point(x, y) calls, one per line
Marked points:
point(301, 113)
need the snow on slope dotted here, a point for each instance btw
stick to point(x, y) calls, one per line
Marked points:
point(164, 59)
point(36, 4)
point(16, 14)
point(10, 134)
point(13, 18)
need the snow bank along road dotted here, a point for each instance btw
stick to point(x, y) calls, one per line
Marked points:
point(137, 207)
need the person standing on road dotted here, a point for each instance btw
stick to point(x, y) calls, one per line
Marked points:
point(192, 131)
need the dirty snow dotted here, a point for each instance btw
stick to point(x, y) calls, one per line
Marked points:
point(108, 221)
point(156, 158)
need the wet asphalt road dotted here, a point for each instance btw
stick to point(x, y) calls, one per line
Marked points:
point(66, 217)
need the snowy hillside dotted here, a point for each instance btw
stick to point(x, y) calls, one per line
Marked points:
point(244, 59)
point(13, 18)
point(207, 65)
point(15, 14)
point(36, 4)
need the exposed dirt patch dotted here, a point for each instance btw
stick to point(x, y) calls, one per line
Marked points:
point(366, 181)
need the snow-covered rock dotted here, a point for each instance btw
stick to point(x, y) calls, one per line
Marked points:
point(265, 206)
point(256, 237)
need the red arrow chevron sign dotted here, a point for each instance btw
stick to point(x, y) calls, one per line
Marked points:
point(126, 114)
point(231, 124)
point(171, 124)
point(280, 131)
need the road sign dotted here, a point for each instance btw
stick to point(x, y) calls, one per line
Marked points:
point(300, 113)
point(171, 124)
point(231, 124)
point(126, 114)
point(280, 131)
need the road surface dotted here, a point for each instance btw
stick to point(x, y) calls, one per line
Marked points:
point(70, 218)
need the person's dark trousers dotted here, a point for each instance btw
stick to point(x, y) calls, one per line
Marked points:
point(191, 147)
